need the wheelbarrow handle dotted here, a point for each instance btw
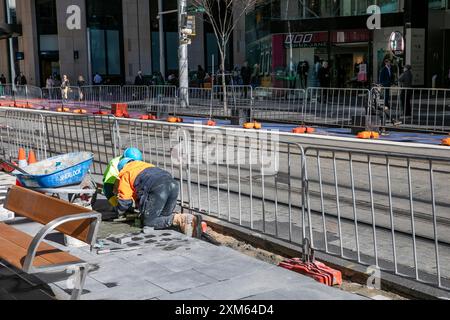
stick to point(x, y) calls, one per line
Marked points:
point(13, 166)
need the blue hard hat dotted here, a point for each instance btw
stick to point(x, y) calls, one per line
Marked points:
point(133, 153)
point(123, 163)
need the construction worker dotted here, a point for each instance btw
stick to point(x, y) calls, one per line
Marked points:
point(155, 193)
point(111, 174)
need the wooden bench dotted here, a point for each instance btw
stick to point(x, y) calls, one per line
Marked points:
point(31, 254)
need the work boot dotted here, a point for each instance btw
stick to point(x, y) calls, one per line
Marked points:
point(189, 224)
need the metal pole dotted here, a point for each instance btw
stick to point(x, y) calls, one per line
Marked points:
point(183, 56)
point(162, 55)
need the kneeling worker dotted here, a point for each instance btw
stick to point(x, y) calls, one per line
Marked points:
point(155, 193)
point(111, 174)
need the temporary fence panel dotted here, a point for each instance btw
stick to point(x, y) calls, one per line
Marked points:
point(383, 210)
point(72, 98)
point(52, 98)
point(22, 130)
point(100, 97)
point(74, 133)
point(6, 95)
point(336, 107)
point(162, 100)
point(278, 104)
point(411, 108)
point(136, 97)
point(34, 95)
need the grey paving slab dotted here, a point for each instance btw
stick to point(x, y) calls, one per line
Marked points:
point(183, 280)
point(134, 290)
point(183, 295)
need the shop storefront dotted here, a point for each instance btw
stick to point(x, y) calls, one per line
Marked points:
point(288, 60)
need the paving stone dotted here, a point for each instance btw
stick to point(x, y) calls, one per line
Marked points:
point(231, 268)
point(177, 263)
point(184, 280)
point(268, 296)
point(136, 290)
point(188, 295)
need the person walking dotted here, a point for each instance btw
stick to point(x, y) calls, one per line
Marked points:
point(81, 83)
point(386, 80)
point(405, 81)
point(246, 75)
point(324, 75)
point(201, 75)
point(49, 83)
point(2, 84)
point(255, 82)
point(139, 80)
point(65, 87)
point(98, 79)
point(303, 71)
point(21, 80)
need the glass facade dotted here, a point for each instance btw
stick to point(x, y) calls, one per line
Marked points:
point(47, 32)
point(104, 20)
point(170, 34)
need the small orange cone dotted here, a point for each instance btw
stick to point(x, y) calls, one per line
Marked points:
point(31, 157)
point(22, 158)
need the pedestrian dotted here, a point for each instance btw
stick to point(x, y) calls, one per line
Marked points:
point(302, 72)
point(324, 75)
point(405, 81)
point(386, 80)
point(98, 79)
point(21, 80)
point(49, 83)
point(139, 80)
point(201, 75)
point(2, 84)
point(317, 67)
point(155, 193)
point(255, 82)
point(246, 75)
point(65, 87)
point(81, 83)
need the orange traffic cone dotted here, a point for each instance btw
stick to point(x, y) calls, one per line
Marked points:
point(31, 157)
point(22, 159)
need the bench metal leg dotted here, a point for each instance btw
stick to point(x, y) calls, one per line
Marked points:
point(80, 279)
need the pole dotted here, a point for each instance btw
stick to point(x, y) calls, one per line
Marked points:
point(183, 56)
point(11, 47)
point(162, 55)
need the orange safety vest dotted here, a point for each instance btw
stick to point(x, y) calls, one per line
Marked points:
point(127, 178)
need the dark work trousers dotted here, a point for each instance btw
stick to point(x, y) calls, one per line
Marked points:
point(159, 204)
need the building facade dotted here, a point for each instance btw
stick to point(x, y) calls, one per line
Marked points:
point(283, 35)
point(117, 38)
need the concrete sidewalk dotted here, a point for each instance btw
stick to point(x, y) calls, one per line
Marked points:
point(173, 267)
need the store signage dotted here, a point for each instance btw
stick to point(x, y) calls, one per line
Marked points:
point(397, 43)
point(306, 40)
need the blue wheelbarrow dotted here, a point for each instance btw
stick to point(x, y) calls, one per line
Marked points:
point(65, 175)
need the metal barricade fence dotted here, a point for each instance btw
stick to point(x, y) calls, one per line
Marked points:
point(253, 181)
point(389, 210)
point(7, 94)
point(385, 210)
point(336, 107)
point(101, 97)
point(162, 99)
point(411, 108)
point(136, 97)
point(201, 103)
point(34, 95)
point(277, 104)
point(74, 133)
point(52, 97)
point(20, 95)
point(22, 130)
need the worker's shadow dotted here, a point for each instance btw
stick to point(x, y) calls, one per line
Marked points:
point(103, 207)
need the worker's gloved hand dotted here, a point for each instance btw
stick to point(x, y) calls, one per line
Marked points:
point(114, 202)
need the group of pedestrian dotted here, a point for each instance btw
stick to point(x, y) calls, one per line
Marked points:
point(405, 81)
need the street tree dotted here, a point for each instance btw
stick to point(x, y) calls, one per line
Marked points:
point(224, 16)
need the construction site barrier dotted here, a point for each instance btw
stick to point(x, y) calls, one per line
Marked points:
point(411, 108)
point(420, 109)
point(388, 210)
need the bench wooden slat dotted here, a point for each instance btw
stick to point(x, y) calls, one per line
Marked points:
point(14, 247)
point(44, 209)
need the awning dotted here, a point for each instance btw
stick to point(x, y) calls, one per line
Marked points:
point(10, 30)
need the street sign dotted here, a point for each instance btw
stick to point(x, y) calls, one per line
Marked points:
point(397, 43)
point(189, 26)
